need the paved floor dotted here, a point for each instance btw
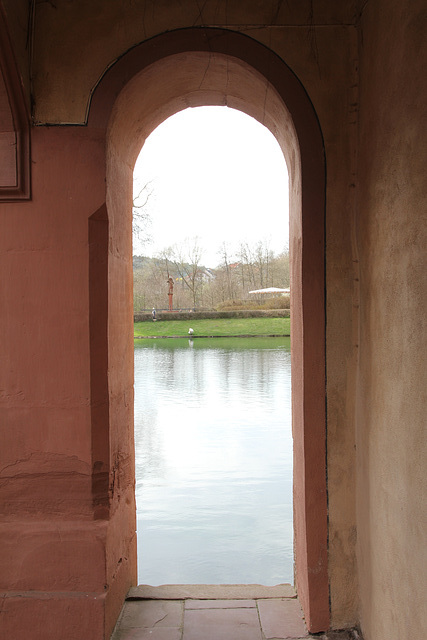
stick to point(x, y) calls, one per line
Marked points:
point(202, 612)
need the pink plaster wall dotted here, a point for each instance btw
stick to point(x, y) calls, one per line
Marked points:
point(64, 473)
point(70, 322)
point(318, 43)
point(50, 543)
point(14, 120)
point(392, 237)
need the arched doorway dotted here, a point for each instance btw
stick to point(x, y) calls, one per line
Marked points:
point(196, 67)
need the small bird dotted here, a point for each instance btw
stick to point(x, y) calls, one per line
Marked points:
point(190, 331)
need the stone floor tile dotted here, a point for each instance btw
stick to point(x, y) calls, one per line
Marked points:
point(220, 604)
point(282, 619)
point(221, 624)
point(152, 613)
point(159, 633)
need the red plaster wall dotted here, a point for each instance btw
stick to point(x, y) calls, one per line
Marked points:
point(14, 123)
point(68, 535)
point(53, 554)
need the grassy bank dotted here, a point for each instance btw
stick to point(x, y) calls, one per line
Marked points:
point(214, 327)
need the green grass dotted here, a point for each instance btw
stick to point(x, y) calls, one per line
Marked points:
point(217, 327)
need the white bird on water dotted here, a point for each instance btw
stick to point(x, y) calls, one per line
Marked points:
point(190, 331)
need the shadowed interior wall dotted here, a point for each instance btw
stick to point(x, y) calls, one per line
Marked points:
point(319, 43)
point(392, 236)
point(14, 120)
point(52, 550)
point(72, 160)
point(52, 547)
point(18, 17)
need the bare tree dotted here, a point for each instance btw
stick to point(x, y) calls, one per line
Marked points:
point(247, 260)
point(280, 270)
point(257, 267)
point(263, 257)
point(141, 218)
point(226, 267)
point(187, 261)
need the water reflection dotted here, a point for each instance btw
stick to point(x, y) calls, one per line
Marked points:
point(213, 461)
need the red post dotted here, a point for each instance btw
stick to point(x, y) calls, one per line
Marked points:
point(170, 293)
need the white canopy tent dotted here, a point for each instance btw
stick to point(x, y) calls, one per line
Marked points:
point(270, 290)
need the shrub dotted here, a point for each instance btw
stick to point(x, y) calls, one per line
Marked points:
point(280, 302)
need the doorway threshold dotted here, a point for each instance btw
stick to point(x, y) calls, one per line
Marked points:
point(211, 592)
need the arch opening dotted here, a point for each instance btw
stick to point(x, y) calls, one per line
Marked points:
point(205, 69)
point(212, 445)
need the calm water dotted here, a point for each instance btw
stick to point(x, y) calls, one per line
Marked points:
point(214, 461)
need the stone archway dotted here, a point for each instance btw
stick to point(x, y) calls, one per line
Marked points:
point(196, 67)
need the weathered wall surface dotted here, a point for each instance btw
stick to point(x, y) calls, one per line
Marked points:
point(53, 470)
point(18, 17)
point(90, 36)
point(324, 57)
point(74, 42)
point(392, 224)
point(51, 545)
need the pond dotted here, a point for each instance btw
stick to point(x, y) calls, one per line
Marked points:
point(213, 461)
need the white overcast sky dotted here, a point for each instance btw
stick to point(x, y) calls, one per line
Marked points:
point(217, 174)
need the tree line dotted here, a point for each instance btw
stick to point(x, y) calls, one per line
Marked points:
point(198, 287)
